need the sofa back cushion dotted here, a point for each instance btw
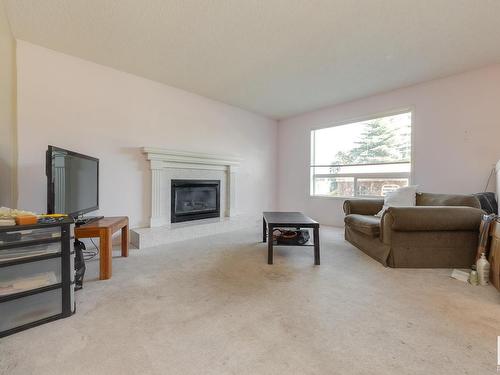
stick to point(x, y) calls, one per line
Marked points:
point(431, 199)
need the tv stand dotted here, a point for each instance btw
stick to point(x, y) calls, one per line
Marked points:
point(81, 220)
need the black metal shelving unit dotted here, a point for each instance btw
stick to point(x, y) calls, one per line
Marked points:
point(36, 275)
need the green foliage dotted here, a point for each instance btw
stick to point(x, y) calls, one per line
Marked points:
point(377, 143)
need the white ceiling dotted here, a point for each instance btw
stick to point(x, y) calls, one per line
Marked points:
point(274, 57)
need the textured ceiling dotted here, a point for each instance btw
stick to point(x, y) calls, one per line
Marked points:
point(274, 57)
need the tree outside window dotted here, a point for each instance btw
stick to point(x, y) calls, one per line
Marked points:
point(366, 158)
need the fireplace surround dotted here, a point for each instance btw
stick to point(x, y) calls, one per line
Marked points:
point(194, 200)
point(167, 165)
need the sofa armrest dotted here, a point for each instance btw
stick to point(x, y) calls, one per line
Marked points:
point(363, 206)
point(433, 218)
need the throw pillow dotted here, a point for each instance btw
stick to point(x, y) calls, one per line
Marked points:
point(402, 197)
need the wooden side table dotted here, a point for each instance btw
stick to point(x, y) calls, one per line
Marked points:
point(494, 257)
point(104, 229)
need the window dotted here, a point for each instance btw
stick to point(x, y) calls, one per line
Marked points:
point(367, 158)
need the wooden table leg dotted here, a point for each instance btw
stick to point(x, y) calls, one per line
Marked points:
point(316, 246)
point(270, 244)
point(125, 241)
point(106, 255)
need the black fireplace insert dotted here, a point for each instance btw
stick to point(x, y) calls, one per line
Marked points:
point(194, 200)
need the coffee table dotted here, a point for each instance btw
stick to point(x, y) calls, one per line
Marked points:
point(296, 220)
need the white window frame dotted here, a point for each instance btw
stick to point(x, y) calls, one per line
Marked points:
point(356, 176)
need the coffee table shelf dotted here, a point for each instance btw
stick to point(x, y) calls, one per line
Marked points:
point(295, 220)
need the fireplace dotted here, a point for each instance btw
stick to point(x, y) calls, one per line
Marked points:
point(194, 200)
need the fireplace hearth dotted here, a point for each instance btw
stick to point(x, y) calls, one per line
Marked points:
point(194, 200)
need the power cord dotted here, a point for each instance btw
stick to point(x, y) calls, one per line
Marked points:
point(489, 179)
point(91, 253)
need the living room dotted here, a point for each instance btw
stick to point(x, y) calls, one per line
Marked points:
point(276, 102)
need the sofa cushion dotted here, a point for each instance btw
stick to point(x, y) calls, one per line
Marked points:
point(434, 218)
point(431, 199)
point(366, 224)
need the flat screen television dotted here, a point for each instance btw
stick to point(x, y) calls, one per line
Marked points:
point(72, 182)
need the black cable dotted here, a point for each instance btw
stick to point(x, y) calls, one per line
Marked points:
point(93, 243)
point(489, 179)
point(91, 253)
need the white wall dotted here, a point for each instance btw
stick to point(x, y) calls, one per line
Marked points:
point(456, 124)
point(99, 111)
point(7, 113)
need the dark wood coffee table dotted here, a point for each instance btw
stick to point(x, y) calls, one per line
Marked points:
point(296, 220)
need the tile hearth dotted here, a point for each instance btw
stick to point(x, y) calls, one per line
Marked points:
point(148, 237)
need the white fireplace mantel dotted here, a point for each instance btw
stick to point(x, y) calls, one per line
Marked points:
point(185, 157)
point(165, 164)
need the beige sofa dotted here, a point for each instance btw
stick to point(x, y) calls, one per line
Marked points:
point(440, 232)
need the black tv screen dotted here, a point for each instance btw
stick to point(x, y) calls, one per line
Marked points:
point(72, 182)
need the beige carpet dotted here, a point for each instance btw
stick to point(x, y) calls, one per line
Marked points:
point(213, 306)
